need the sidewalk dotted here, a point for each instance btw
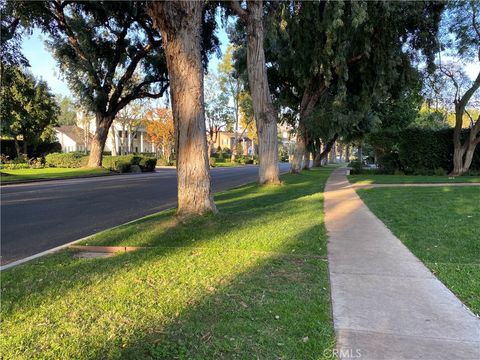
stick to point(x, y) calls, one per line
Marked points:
point(386, 303)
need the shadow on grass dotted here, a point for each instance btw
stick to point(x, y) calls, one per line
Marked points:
point(244, 306)
point(280, 309)
point(163, 231)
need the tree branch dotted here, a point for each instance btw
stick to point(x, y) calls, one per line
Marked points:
point(59, 15)
point(237, 8)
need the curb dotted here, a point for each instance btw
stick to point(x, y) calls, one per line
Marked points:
point(61, 247)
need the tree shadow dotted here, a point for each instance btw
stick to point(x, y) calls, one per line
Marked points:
point(291, 273)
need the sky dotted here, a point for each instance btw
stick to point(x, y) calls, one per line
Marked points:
point(43, 65)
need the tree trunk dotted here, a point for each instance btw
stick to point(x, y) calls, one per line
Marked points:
point(17, 146)
point(298, 154)
point(463, 153)
point(347, 153)
point(360, 153)
point(180, 24)
point(99, 139)
point(317, 160)
point(265, 115)
point(333, 154)
point(114, 141)
point(327, 148)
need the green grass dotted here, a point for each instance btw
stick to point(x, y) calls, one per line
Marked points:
point(227, 164)
point(410, 179)
point(441, 226)
point(250, 282)
point(47, 173)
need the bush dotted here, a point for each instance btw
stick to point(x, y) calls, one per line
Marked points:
point(147, 164)
point(212, 162)
point(120, 166)
point(66, 160)
point(356, 166)
point(417, 151)
point(111, 162)
point(440, 171)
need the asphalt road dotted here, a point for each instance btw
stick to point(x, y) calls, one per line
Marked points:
point(39, 216)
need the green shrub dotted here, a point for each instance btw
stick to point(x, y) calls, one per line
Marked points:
point(66, 160)
point(399, 172)
point(147, 164)
point(212, 161)
point(110, 162)
point(417, 151)
point(120, 166)
point(440, 171)
point(356, 166)
point(249, 161)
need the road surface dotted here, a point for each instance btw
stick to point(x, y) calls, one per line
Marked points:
point(39, 216)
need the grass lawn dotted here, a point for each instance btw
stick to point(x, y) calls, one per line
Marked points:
point(409, 179)
point(47, 173)
point(441, 226)
point(248, 283)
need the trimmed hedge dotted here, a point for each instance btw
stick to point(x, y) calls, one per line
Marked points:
point(417, 151)
point(119, 164)
point(66, 160)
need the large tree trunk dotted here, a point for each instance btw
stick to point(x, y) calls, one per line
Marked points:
point(310, 97)
point(265, 115)
point(463, 153)
point(98, 142)
point(180, 23)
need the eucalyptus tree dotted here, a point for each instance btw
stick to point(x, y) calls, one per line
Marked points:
point(252, 19)
point(186, 28)
point(109, 53)
point(350, 57)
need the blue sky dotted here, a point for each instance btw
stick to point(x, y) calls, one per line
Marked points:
point(43, 65)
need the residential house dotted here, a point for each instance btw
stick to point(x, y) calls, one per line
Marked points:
point(226, 139)
point(78, 137)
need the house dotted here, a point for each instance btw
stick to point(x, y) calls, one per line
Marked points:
point(226, 139)
point(73, 138)
point(124, 138)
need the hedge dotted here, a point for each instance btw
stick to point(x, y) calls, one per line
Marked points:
point(66, 160)
point(417, 151)
point(119, 164)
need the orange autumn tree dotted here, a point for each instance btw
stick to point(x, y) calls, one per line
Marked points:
point(160, 131)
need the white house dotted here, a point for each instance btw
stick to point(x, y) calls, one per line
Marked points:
point(127, 139)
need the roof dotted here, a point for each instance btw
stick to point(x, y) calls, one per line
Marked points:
point(74, 132)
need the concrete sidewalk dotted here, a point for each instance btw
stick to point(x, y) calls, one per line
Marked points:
point(386, 304)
